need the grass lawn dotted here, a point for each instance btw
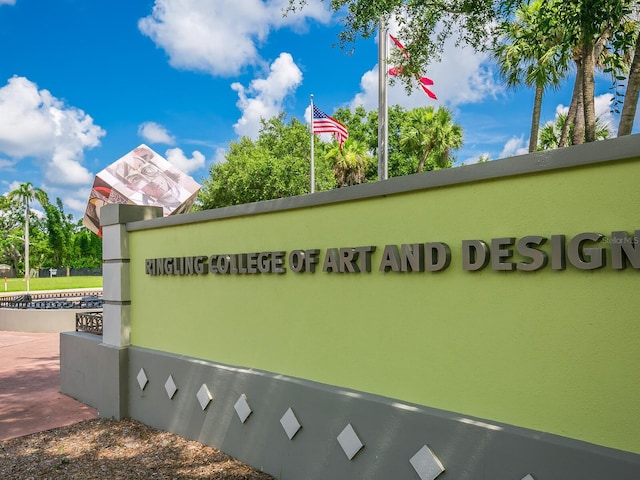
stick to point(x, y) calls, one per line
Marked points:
point(55, 283)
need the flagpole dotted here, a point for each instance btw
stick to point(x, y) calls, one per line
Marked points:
point(313, 173)
point(383, 112)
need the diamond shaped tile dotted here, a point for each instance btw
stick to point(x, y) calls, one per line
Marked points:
point(349, 441)
point(528, 477)
point(204, 396)
point(426, 464)
point(242, 408)
point(290, 423)
point(170, 387)
point(142, 379)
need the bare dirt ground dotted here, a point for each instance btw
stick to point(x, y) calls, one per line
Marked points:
point(116, 450)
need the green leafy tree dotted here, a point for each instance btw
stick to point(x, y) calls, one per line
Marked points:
point(60, 231)
point(358, 125)
point(12, 236)
point(595, 31)
point(276, 165)
point(54, 239)
point(424, 25)
point(430, 135)
point(87, 248)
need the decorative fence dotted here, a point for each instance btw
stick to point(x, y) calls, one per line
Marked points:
point(54, 300)
point(90, 322)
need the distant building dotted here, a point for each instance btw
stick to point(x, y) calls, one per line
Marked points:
point(6, 271)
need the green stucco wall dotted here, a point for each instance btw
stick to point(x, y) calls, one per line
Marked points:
point(555, 351)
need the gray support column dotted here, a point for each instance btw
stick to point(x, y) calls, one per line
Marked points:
point(113, 355)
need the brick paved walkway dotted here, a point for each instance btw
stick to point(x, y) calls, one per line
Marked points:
point(30, 398)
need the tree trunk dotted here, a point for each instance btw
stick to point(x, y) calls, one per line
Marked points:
point(631, 96)
point(578, 128)
point(588, 91)
point(535, 119)
point(422, 161)
point(573, 106)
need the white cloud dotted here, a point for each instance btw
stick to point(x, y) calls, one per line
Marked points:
point(77, 203)
point(33, 123)
point(603, 112)
point(220, 155)
point(7, 2)
point(264, 96)
point(74, 200)
point(153, 132)
point(177, 157)
point(222, 36)
point(7, 164)
point(515, 146)
point(463, 76)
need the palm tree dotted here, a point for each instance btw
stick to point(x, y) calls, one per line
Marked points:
point(27, 193)
point(349, 163)
point(430, 135)
point(551, 132)
point(528, 56)
point(597, 31)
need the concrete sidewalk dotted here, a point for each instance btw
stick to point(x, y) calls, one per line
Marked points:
point(30, 398)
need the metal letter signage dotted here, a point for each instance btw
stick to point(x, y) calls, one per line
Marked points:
point(585, 251)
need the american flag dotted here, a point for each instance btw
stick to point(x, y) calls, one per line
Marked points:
point(323, 123)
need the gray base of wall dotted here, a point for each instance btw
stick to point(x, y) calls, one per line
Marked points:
point(94, 373)
point(79, 366)
point(391, 432)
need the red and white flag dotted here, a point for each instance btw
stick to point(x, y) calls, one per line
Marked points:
point(424, 81)
point(399, 45)
point(323, 123)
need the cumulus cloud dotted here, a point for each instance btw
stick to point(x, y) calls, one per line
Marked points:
point(7, 164)
point(33, 123)
point(155, 133)
point(604, 113)
point(220, 155)
point(463, 76)
point(77, 203)
point(515, 146)
point(178, 158)
point(264, 96)
point(222, 36)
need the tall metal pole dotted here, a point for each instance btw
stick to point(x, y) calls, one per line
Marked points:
point(313, 173)
point(383, 112)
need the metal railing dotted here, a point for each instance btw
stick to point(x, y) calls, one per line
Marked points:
point(90, 322)
point(54, 300)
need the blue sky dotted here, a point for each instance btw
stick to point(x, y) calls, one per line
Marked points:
point(84, 82)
